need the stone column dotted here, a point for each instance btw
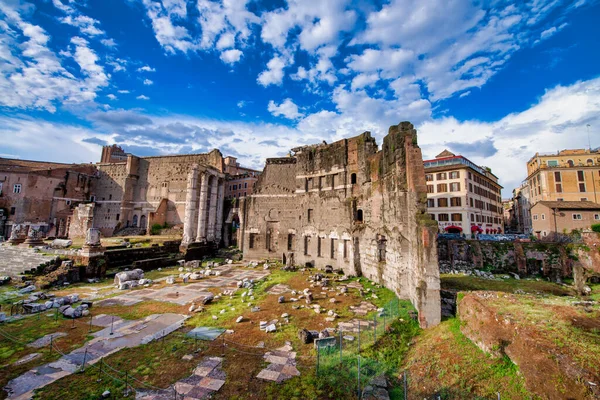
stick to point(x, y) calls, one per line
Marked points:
point(212, 211)
point(201, 232)
point(191, 206)
point(220, 206)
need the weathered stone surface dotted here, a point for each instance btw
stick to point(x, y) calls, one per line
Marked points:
point(336, 204)
point(305, 336)
point(134, 275)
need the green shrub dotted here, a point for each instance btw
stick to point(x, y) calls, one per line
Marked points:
point(596, 228)
point(155, 229)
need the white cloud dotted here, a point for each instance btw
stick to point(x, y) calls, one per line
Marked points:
point(148, 82)
point(118, 64)
point(171, 37)
point(32, 75)
point(146, 68)
point(108, 42)
point(111, 96)
point(242, 103)
point(123, 91)
point(363, 80)
point(465, 94)
point(287, 109)
point(273, 75)
point(85, 24)
point(319, 22)
point(226, 41)
point(227, 19)
point(552, 31)
point(35, 139)
point(547, 33)
point(558, 121)
point(231, 56)
point(391, 62)
point(143, 97)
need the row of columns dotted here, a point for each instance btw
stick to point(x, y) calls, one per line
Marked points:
point(203, 220)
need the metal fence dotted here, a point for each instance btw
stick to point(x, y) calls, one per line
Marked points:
point(341, 359)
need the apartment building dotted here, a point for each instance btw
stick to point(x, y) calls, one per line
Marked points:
point(568, 175)
point(522, 209)
point(462, 196)
point(563, 216)
point(240, 180)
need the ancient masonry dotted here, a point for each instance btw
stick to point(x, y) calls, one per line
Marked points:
point(136, 192)
point(350, 206)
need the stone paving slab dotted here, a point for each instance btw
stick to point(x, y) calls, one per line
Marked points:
point(45, 340)
point(208, 377)
point(14, 260)
point(353, 325)
point(194, 292)
point(279, 289)
point(150, 328)
point(355, 285)
point(363, 308)
point(282, 365)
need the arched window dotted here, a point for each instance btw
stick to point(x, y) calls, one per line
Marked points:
point(571, 163)
point(590, 161)
point(359, 215)
point(134, 223)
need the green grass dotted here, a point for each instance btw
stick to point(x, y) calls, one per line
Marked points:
point(469, 283)
point(446, 363)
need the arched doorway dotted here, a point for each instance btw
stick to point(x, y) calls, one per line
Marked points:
point(134, 223)
point(143, 222)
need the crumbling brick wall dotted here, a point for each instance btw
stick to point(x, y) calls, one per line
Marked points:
point(350, 206)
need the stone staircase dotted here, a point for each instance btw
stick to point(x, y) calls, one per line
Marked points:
point(15, 260)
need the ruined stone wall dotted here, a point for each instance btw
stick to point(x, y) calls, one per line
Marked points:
point(146, 190)
point(552, 260)
point(109, 192)
point(352, 207)
point(47, 192)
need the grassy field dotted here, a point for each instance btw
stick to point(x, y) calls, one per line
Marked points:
point(160, 363)
point(443, 362)
point(439, 361)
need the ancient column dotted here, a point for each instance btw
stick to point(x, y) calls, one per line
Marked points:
point(212, 211)
point(220, 200)
point(201, 232)
point(191, 206)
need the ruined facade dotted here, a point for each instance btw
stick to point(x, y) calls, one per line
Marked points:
point(42, 195)
point(353, 207)
point(184, 191)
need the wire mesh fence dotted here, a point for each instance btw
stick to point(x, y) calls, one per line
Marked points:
point(341, 360)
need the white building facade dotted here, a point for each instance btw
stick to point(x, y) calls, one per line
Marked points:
point(462, 195)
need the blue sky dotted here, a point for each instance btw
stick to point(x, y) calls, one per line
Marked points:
point(493, 80)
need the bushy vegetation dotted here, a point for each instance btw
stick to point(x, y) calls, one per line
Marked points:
point(155, 229)
point(596, 228)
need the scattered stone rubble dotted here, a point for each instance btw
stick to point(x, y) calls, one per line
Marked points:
point(129, 279)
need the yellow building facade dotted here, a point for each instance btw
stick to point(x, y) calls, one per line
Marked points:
point(568, 175)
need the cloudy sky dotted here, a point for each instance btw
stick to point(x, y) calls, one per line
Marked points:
point(493, 80)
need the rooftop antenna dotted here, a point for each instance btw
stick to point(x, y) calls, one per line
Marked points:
point(589, 141)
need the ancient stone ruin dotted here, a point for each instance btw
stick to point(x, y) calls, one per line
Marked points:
point(353, 207)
